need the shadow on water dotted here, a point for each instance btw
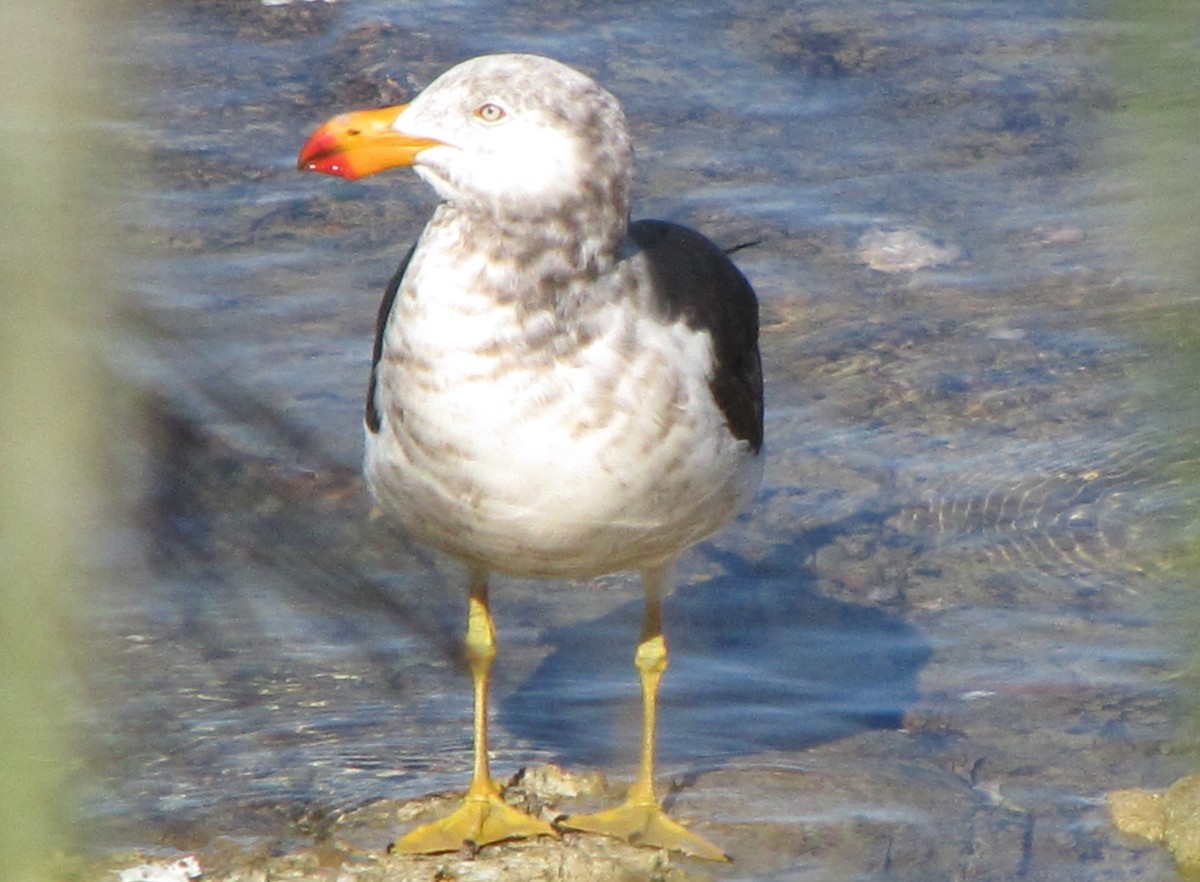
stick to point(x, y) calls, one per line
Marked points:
point(755, 664)
point(308, 656)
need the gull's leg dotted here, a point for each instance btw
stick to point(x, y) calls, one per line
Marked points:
point(483, 817)
point(640, 819)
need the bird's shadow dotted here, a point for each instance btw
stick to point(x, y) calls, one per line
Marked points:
point(758, 661)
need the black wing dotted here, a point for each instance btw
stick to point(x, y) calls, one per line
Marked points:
point(381, 320)
point(695, 280)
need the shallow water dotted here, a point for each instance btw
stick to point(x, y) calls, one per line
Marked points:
point(939, 617)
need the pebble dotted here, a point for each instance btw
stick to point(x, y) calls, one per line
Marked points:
point(903, 250)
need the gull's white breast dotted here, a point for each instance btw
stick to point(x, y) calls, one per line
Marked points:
point(518, 442)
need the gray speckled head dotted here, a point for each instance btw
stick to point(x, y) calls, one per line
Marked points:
point(524, 136)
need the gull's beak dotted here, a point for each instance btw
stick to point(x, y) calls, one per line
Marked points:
point(352, 145)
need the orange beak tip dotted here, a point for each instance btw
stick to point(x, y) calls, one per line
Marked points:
point(324, 152)
point(354, 145)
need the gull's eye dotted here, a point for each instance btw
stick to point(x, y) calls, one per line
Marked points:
point(490, 113)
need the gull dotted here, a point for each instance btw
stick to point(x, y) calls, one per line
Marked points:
point(555, 391)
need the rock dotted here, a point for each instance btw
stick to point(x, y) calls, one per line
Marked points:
point(903, 250)
point(1171, 817)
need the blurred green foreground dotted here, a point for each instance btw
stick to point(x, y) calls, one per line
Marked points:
point(1156, 163)
point(52, 270)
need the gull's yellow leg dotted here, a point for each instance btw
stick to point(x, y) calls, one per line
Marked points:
point(483, 817)
point(640, 819)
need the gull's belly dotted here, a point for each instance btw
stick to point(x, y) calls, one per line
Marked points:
point(564, 467)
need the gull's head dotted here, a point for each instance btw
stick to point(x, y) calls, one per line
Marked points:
point(517, 135)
